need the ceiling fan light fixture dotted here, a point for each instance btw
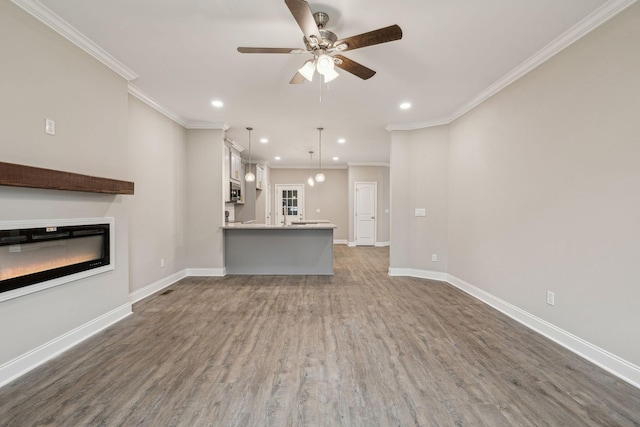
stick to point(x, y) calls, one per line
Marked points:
point(307, 70)
point(325, 64)
point(330, 75)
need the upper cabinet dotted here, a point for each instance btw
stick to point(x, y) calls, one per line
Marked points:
point(259, 177)
point(236, 167)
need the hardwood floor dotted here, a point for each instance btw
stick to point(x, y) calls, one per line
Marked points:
point(359, 348)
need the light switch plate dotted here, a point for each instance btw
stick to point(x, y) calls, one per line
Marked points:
point(49, 126)
point(421, 212)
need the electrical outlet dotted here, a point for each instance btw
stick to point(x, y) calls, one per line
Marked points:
point(434, 257)
point(551, 298)
point(162, 263)
point(421, 212)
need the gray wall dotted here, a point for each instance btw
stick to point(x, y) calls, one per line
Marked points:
point(157, 152)
point(330, 196)
point(205, 210)
point(545, 190)
point(44, 76)
point(381, 176)
point(419, 176)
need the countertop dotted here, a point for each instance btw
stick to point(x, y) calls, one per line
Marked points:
point(301, 226)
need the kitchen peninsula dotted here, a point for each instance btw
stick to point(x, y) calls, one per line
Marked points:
point(261, 249)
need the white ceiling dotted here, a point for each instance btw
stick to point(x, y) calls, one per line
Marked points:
point(452, 51)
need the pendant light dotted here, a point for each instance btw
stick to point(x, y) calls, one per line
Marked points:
point(320, 175)
point(249, 177)
point(310, 180)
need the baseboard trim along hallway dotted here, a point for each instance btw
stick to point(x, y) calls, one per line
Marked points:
point(39, 355)
point(156, 286)
point(609, 362)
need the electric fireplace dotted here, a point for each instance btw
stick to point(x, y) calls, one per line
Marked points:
point(52, 253)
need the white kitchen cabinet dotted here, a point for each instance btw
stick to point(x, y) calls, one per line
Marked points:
point(236, 167)
point(259, 177)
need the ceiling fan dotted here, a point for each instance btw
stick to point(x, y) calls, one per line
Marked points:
point(325, 45)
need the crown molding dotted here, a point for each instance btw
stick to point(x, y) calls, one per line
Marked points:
point(62, 27)
point(573, 34)
point(419, 125)
point(206, 125)
point(133, 90)
point(303, 167)
point(383, 164)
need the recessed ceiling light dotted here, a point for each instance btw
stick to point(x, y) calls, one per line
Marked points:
point(336, 159)
point(342, 140)
point(264, 140)
point(405, 105)
point(217, 103)
point(277, 157)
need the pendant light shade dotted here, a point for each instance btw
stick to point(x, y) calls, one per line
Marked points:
point(249, 177)
point(310, 180)
point(320, 175)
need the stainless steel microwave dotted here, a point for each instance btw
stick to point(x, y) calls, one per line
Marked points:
point(234, 193)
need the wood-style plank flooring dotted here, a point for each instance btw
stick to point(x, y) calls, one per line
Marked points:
point(356, 349)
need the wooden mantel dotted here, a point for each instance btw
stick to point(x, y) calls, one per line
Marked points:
point(32, 177)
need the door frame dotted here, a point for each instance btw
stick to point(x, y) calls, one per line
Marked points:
point(355, 211)
point(277, 201)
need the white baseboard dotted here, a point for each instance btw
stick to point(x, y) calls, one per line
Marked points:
point(382, 244)
point(151, 289)
point(351, 244)
point(422, 274)
point(22, 364)
point(340, 242)
point(607, 361)
point(207, 272)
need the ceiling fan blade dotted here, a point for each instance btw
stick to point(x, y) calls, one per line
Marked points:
point(354, 68)
point(382, 35)
point(302, 13)
point(270, 50)
point(297, 79)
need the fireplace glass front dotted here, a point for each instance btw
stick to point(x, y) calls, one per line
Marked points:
point(33, 255)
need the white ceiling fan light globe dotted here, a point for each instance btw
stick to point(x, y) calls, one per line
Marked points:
point(319, 177)
point(307, 70)
point(249, 177)
point(325, 64)
point(330, 75)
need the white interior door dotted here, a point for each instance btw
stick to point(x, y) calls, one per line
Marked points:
point(289, 203)
point(365, 213)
